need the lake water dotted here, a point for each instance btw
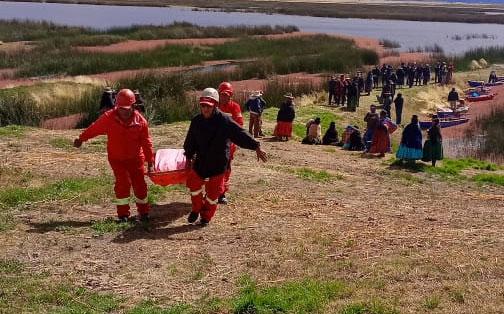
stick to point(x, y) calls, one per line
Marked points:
point(408, 33)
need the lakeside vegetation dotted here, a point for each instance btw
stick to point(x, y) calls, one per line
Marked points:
point(309, 53)
point(25, 30)
point(492, 55)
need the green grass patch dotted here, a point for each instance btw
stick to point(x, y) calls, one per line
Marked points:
point(61, 143)
point(12, 130)
point(157, 192)
point(84, 190)
point(308, 296)
point(314, 175)
point(496, 179)
point(368, 308)
point(10, 266)
point(432, 302)
point(7, 221)
point(109, 225)
point(453, 167)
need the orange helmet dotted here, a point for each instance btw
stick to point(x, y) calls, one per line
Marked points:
point(226, 88)
point(125, 98)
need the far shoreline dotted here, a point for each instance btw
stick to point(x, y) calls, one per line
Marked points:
point(404, 10)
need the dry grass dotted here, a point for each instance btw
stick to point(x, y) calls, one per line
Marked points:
point(392, 236)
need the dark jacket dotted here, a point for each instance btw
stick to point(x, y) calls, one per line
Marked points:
point(255, 105)
point(106, 101)
point(286, 112)
point(412, 136)
point(209, 140)
point(399, 102)
point(453, 96)
point(434, 134)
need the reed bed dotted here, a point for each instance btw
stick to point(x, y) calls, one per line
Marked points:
point(24, 30)
point(302, 54)
point(490, 54)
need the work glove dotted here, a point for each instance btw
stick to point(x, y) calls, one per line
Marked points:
point(77, 143)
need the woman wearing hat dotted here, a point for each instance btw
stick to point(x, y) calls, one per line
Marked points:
point(255, 105)
point(285, 116)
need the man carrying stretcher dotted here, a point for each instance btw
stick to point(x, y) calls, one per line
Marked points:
point(207, 149)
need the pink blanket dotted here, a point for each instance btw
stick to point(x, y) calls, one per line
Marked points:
point(169, 160)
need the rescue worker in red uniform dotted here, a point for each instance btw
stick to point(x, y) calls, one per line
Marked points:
point(232, 109)
point(129, 145)
point(207, 148)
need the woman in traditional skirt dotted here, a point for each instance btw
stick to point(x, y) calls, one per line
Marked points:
point(411, 142)
point(285, 116)
point(380, 144)
point(433, 146)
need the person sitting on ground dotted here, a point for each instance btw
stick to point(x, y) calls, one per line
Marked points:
point(380, 144)
point(314, 133)
point(410, 148)
point(345, 137)
point(331, 135)
point(453, 98)
point(285, 116)
point(368, 135)
point(433, 146)
point(356, 140)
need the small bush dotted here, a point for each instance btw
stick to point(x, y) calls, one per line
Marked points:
point(489, 178)
point(387, 43)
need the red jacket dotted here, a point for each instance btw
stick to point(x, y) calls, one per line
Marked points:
point(233, 110)
point(125, 140)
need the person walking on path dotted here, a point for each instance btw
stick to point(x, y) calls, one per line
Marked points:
point(453, 98)
point(399, 103)
point(129, 146)
point(207, 149)
point(410, 148)
point(433, 146)
point(232, 109)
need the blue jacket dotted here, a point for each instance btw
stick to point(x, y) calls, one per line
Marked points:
point(256, 105)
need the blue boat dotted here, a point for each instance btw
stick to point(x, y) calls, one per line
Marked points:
point(444, 122)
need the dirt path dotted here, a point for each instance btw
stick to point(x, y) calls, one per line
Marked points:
point(393, 235)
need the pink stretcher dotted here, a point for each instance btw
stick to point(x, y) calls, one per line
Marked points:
point(169, 167)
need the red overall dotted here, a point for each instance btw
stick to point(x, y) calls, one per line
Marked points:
point(128, 146)
point(233, 110)
point(204, 193)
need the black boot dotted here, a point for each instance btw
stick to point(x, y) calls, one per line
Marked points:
point(222, 199)
point(193, 216)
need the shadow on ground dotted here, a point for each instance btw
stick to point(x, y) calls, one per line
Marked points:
point(157, 228)
point(44, 227)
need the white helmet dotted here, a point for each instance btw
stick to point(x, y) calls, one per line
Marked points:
point(209, 96)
